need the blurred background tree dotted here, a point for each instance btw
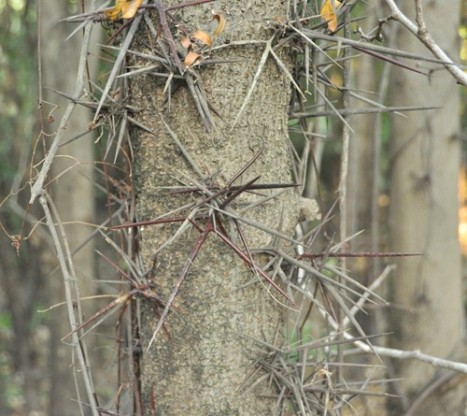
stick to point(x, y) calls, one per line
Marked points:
point(410, 162)
point(425, 161)
point(35, 372)
point(73, 187)
point(23, 332)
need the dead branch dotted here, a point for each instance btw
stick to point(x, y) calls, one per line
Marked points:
point(69, 278)
point(420, 31)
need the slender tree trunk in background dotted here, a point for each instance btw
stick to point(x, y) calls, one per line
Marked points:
point(363, 183)
point(426, 291)
point(202, 362)
point(74, 192)
point(363, 161)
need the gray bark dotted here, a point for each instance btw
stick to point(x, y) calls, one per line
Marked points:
point(363, 162)
point(427, 290)
point(203, 361)
point(363, 183)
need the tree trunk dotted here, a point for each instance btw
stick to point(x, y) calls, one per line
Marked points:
point(364, 186)
point(203, 360)
point(363, 175)
point(427, 291)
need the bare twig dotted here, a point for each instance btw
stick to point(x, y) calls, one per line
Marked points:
point(36, 188)
point(421, 32)
point(64, 258)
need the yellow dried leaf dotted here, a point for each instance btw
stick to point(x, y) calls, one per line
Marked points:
point(328, 13)
point(123, 8)
point(220, 23)
point(191, 58)
point(130, 8)
point(203, 37)
point(115, 11)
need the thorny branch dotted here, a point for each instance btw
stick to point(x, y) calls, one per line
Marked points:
point(38, 185)
point(392, 352)
point(213, 223)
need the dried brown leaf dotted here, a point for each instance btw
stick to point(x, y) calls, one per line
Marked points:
point(186, 42)
point(202, 37)
point(191, 59)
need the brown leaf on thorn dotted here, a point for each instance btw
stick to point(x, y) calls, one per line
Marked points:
point(202, 37)
point(191, 59)
point(186, 42)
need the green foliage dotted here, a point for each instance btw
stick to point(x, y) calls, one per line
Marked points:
point(17, 82)
point(5, 322)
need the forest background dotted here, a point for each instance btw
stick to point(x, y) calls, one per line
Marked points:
point(403, 184)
